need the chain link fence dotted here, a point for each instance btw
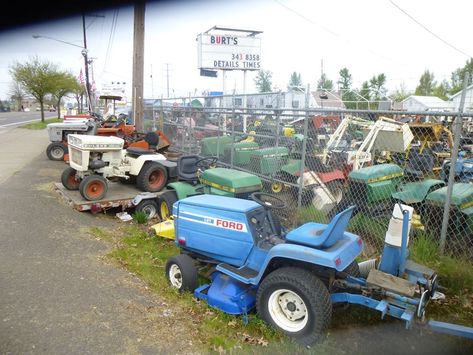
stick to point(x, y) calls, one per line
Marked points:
point(321, 161)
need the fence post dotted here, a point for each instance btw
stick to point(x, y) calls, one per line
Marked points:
point(233, 131)
point(451, 177)
point(304, 148)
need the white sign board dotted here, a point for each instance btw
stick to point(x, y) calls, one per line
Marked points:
point(228, 52)
point(114, 89)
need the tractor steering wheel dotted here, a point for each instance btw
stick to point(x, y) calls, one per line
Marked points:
point(206, 162)
point(268, 201)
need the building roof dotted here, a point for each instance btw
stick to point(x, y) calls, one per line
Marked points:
point(431, 102)
point(326, 98)
point(459, 93)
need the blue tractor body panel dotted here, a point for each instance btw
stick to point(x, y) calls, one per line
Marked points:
point(215, 226)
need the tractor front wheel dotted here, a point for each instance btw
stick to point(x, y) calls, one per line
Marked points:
point(69, 179)
point(152, 177)
point(93, 187)
point(181, 273)
point(166, 201)
point(56, 151)
point(296, 302)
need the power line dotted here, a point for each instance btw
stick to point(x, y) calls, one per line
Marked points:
point(111, 38)
point(429, 31)
point(328, 30)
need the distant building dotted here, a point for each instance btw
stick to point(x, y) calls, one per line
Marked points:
point(455, 99)
point(426, 103)
point(328, 99)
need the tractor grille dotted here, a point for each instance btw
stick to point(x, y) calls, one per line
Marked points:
point(76, 156)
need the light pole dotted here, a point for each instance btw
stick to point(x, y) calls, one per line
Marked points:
point(84, 53)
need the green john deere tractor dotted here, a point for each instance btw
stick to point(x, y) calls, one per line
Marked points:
point(374, 189)
point(222, 147)
point(197, 175)
point(460, 224)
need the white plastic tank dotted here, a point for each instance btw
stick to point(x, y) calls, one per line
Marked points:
point(394, 233)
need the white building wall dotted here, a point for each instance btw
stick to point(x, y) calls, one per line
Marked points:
point(411, 104)
point(468, 101)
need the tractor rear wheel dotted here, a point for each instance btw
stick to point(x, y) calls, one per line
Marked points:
point(166, 201)
point(296, 302)
point(181, 273)
point(69, 179)
point(152, 177)
point(148, 206)
point(56, 151)
point(93, 187)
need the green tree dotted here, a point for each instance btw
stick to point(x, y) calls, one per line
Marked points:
point(263, 81)
point(426, 84)
point(36, 77)
point(324, 83)
point(442, 90)
point(400, 94)
point(365, 93)
point(376, 86)
point(345, 86)
point(458, 76)
point(295, 82)
point(64, 83)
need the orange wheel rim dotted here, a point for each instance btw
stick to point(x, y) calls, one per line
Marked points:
point(95, 189)
point(72, 181)
point(156, 179)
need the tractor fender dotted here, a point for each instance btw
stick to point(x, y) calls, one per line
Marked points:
point(142, 159)
point(183, 189)
point(331, 176)
point(337, 258)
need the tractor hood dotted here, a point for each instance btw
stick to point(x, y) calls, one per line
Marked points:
point(415, 192)
point(76, 125)
point(271, 152)
point(376, 173)
point(230, 180)
point(462, 196)
point(242, 146)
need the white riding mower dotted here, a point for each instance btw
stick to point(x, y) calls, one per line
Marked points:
point(93, 160)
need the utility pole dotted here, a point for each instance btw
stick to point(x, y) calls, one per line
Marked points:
point(138, 63)
point(86, 64)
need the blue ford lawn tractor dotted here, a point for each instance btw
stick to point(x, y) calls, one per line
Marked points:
point(294, 277)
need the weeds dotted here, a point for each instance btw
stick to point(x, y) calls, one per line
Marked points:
point(41, 125)
point(140, 217)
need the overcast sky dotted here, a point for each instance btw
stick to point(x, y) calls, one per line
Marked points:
point(399, 38)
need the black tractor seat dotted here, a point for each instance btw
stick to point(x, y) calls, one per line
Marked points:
point(136, 152)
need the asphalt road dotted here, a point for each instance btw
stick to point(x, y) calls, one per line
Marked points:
point(59, 296)
point(12, 119)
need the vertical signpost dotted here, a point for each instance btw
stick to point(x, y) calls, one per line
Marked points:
point(222, 48)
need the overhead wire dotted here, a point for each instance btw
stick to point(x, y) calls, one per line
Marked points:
point(328, 30)
point(428, 30)
point(111, 38)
